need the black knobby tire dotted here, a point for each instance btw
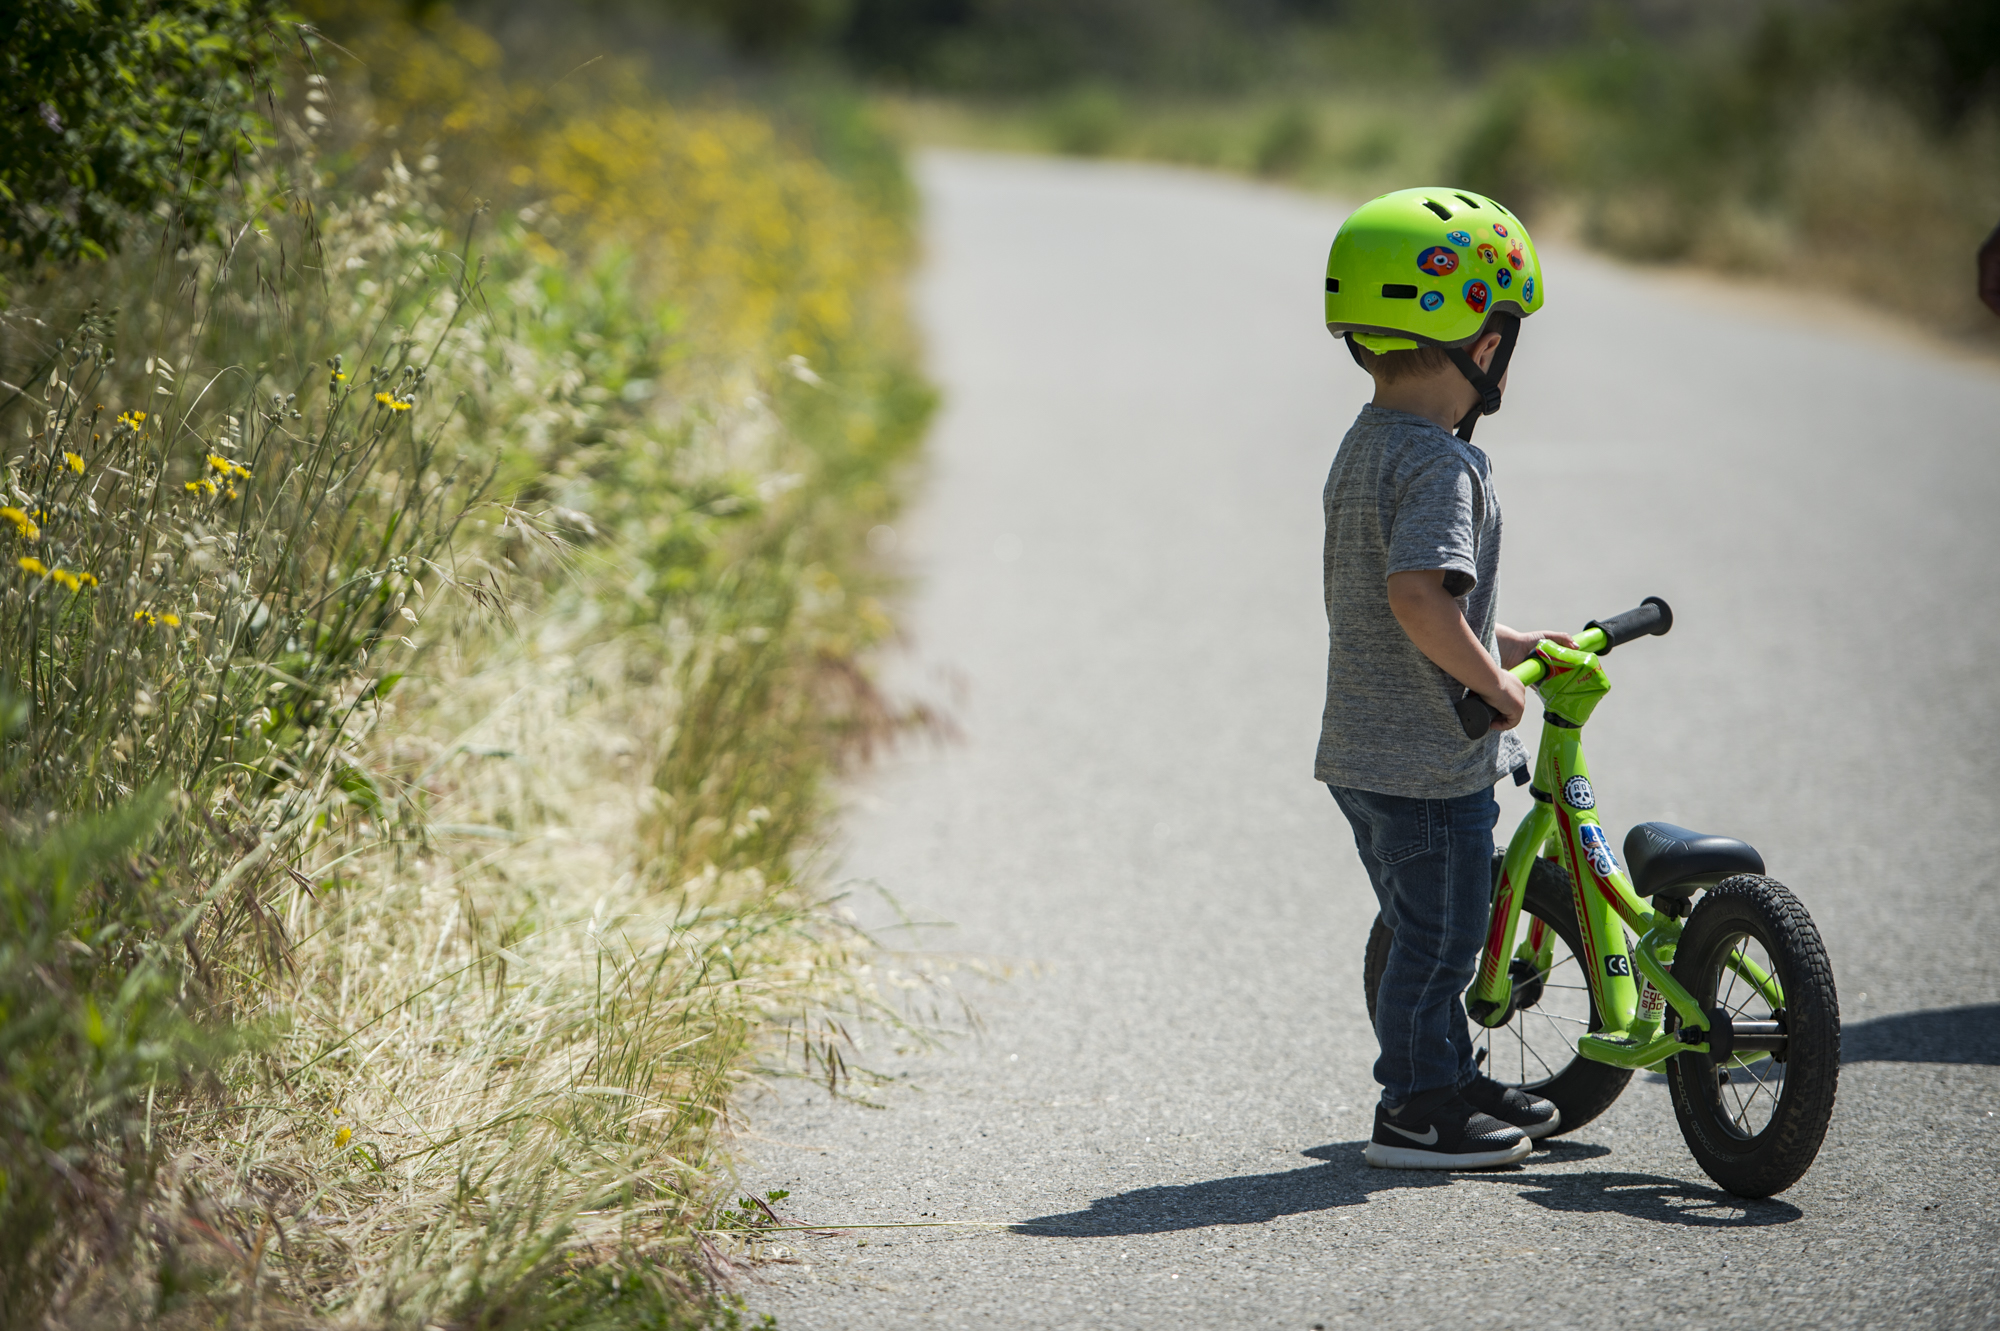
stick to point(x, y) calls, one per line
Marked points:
point(1757, 1132)
point(1581, 1089)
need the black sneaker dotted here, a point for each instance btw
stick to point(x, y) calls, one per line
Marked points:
point(1511, 1105)
point(1449, 1134)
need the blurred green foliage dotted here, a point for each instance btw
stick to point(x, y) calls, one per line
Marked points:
point(1853, 144)
point(91, 1027)
point(115, 109)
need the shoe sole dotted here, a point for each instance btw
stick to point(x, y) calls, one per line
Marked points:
point(1541, 1130)
point(1411, 1157)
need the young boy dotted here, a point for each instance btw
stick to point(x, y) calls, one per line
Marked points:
point(1428, 286)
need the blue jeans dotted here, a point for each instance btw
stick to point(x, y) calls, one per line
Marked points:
point(1431, 863)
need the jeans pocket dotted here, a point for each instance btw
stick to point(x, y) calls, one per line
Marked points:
point(1404, 833)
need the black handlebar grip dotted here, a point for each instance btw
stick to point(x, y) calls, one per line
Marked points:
point(1475, 715)
point(1651, 617)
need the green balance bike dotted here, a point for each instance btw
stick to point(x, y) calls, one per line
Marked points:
point(1688, 958)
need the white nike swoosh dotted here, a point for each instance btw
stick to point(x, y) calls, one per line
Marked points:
point(1422, 1139)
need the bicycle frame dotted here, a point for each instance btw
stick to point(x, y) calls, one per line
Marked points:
point(1564, 826)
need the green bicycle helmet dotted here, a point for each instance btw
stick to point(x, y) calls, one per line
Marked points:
point(1434, 267)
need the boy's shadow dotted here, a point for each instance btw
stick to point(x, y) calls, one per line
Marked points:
point(1255, 1199)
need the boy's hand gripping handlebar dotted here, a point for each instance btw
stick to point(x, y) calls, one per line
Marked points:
point(1650, 618)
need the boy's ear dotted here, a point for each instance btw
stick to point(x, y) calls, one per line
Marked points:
point(1483, 350)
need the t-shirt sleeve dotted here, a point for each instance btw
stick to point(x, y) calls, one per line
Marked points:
point(1434, 525)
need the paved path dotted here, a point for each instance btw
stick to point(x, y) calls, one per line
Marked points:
point(1119, 549)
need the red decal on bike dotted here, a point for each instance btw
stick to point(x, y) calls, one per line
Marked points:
point(1576, 885)
point(1489, 965)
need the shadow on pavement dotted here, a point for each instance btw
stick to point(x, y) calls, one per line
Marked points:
point(1969, 1034)
point(1249, 1199)
point(1651, 1197)
point(1255, 1199)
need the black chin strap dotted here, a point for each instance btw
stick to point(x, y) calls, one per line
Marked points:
point(1487, 381)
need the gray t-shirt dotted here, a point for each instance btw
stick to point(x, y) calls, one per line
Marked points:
point(1405, 494)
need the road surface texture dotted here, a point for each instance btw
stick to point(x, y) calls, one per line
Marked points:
point(1118, 548)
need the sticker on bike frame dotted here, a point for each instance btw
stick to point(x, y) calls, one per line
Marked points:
point(1578, 794)
point(1597, 850)
point(1617, 965)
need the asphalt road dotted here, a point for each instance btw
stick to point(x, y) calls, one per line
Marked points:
point(1118, 552)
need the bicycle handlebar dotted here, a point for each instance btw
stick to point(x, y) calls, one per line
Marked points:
point(1650, 617)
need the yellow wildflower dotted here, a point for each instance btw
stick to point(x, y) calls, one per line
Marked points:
point(33, 565)
point(202, 486)
point(401, 404)
point(74, 462)
point(87, 579)
point(230, 493)
point(132, 420)
point(342, 1137)
point(24, 526)
point(171, 621)
point(384, 399)
point(66, 578)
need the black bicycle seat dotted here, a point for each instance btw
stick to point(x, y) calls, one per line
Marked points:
point(1665, 860)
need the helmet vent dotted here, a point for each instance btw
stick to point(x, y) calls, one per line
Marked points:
point(1333, 286)
point(1438, 208)
point(1398, 291)
point(1470, 203)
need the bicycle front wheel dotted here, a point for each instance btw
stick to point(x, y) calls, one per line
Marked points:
point(1536, 1048)
point(1755, 1121)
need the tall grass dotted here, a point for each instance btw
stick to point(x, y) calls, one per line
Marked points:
point(488, 589)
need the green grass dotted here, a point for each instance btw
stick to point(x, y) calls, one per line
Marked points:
point(439, 750)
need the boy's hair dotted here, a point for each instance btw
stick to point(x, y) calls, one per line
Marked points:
point(1389, 366)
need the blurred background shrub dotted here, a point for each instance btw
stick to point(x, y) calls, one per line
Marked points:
point(1848, 144)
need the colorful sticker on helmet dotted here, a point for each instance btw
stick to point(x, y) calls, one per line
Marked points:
point(1500, 230)
point(1476, 295)
point(1516, 256)
point(1528, 289)
point(1505, 278)
point(1597, 850)
point(1430, 300)
point(1459, 237)
point(1487, 254)
point(1578, 794)
point(1437, 259)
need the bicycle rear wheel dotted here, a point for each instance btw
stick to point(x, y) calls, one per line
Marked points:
point(1755, 1121)
point(1536, 1048)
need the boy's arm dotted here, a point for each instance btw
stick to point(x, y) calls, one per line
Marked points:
point(1431, 617)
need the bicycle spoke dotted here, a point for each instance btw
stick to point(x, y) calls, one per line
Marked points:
point(1530, 1049)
